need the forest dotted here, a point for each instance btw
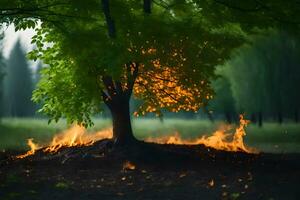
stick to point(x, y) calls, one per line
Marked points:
point(151, 99)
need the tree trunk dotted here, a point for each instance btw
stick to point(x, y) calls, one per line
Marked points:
point(253, 118)
point(109, 20)
point(279, 115)
point(260, 119)
point(147, 6)
point(228, 117)
point(116, 97)
point(122, 130)
point(296, 116)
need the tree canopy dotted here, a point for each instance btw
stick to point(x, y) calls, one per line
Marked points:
point(166, 51)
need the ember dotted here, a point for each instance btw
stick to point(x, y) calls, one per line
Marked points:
point(128, 166)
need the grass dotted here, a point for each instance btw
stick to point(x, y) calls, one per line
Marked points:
point(271, 137)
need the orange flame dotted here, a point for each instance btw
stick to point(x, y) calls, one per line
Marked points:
point(128, 166)
point(219, 140)
point(33, 148)
point(75, 136)
point(78, 136)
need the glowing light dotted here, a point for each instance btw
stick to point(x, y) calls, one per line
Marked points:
point(33, 148)
point(128, 166)
point(78, 136)
point(75, 136)
point(166, 87)
point(220, 139)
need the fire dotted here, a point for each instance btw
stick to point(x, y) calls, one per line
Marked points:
point(78, 136)
point(75, 136)
point(128, 166)
point(33, 148)
point(221, 139)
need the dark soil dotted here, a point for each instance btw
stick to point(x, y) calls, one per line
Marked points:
point(162, 172)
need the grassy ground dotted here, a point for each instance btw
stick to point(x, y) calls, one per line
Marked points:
point(270, 138)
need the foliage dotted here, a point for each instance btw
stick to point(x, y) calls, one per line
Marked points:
point(2, 74)
point(18, 85)
point(177, 44)
point(264, 76)
point(175, 61)
point(37, 74)
point(223, 101)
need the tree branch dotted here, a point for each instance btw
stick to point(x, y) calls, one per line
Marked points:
point(109, 84)
point(257, 7)
point(131, 75)
point(109, 21)
point(147, 6)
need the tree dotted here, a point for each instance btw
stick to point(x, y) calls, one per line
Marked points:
point(160, 58)
point(223, 101)
point(263, 76)
point(2, 74)
point(18, 84)
point(165, 55)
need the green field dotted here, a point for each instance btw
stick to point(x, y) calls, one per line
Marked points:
point(271, 137)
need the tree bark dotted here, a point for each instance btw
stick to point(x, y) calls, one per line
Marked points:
point(260, 119)
point(116, 97)
point(122, 130)
point(109, 20)
point(147, 6)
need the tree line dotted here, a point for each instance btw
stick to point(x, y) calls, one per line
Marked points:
point(16, 84)
point(261, 80)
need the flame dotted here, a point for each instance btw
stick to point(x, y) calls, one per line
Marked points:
point(78, 136)
point(33, 148)
point(211, 183)
point(220, 139)
point(128, 166)
point(75, 136)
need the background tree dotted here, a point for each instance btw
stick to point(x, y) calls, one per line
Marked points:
point(263, 75)
point(2, 74)
point(18, 85)
point(35, 80)
point(223, 101)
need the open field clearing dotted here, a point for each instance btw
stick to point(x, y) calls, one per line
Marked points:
point(271, 137)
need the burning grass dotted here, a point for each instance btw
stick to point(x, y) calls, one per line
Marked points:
point(77, 135)
point(33, 148)
point(221, 139)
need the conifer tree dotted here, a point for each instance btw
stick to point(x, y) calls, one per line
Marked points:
point(18, 84)
point(2, 63)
